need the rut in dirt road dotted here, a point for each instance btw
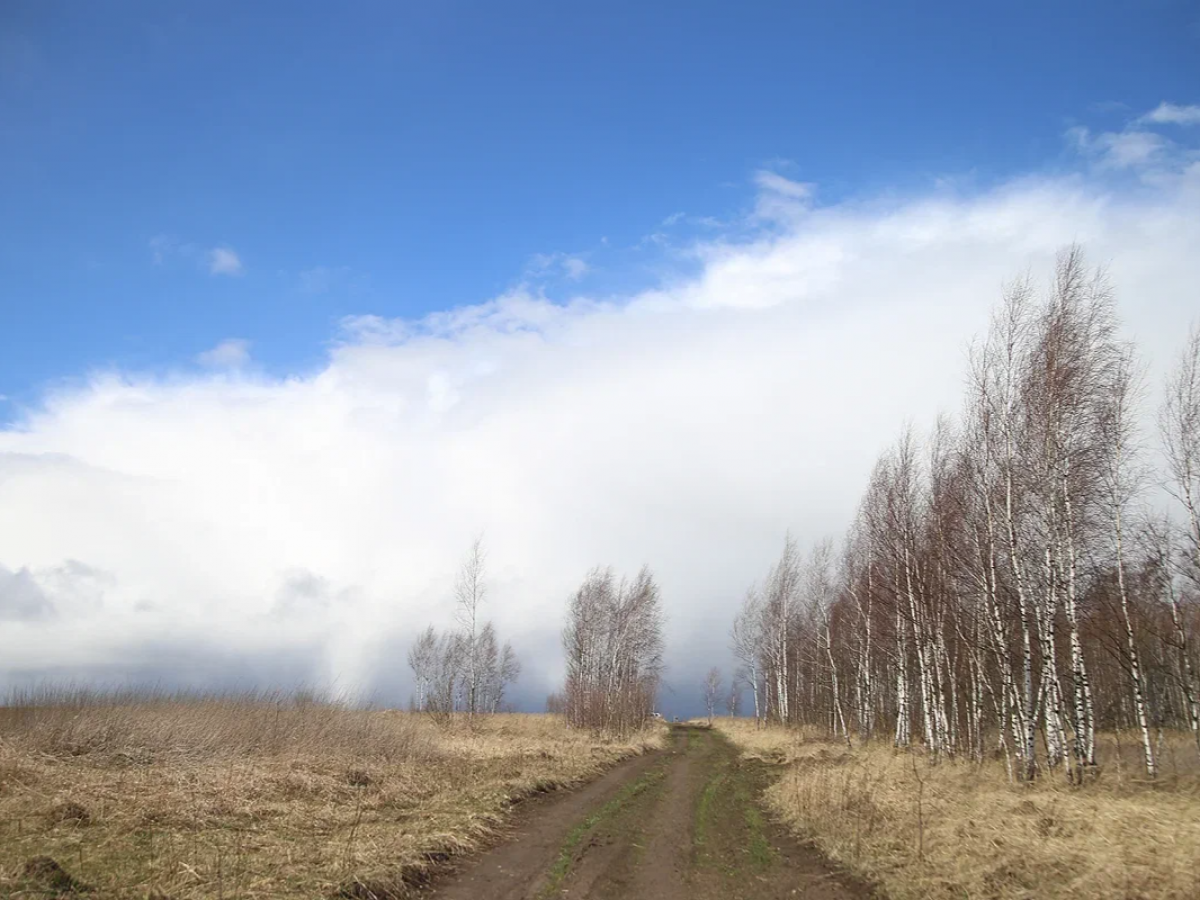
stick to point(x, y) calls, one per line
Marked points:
point(684, 823)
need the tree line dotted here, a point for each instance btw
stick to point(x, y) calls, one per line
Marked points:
point(613, 642)
point(1011, 583)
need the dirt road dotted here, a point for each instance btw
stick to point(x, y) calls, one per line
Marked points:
point(684, 823)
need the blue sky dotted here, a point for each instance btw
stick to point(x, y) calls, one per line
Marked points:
point(394, 159)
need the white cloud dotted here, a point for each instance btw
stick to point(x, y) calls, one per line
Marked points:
point(313, 523)
point(781, 199)
point(166, 248)
point(575, 268)
point(220, 260)
point(773, 182)
point(229, 354)
point(1173, 114)
point(224, 261)
point(22, 598)
point(565, 265)
point(1131, 149)
point(680, 218)
point(1138, 148)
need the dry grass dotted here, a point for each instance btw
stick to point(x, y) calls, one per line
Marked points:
point(962, 830)
point(260, 796)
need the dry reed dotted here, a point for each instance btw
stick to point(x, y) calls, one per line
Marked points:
point(261, 795)
point(962, 829)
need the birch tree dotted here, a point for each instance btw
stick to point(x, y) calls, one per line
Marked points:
point(1179, 424)
point(614, 647)
point(712, 692)
point(465, 669)
point(470, 591)
point(1001, 582)
point(748, 645)
point(778, 622)
point(423, 660)
point(1121, 483)
point(733, 700)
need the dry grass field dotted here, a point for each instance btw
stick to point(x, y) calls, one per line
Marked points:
point(963, 830)
point(260, 796)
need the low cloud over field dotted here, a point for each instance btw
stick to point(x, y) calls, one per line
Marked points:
point(219, 524)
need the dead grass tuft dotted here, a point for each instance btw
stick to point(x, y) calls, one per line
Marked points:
point(68, 812)
point(394, 885)
point(264, 796)
point(962, 829)
point(44, 874)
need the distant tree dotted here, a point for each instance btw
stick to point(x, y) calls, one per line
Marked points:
point(749, 645)
point(423, 659)
point(470, 591)
point(466, 669)
point(498, 668)
point(446, 690)
point(712, 691)
point(614, 646)
point(733, 702)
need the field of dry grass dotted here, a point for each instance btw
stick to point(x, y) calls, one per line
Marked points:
point(963, 830)
point(261, 796)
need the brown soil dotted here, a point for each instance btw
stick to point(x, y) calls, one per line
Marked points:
point(684, 824)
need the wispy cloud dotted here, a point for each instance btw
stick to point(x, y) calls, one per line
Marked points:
point(680, 218)
point(219, 260)
point(316, 280)
point(165, 247)
point(774, 183)
point(1140, 147)
point(573, 267)
point(160, 246)
point(224, 261)
point(231, 353)
point(1173, 114)
point(781, 199)
point(1119, 149)
point(344, 281)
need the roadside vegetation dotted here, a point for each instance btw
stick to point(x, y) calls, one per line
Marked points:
point(262, 795)
point(963, 828)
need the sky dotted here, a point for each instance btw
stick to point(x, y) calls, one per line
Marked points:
point(296, 300)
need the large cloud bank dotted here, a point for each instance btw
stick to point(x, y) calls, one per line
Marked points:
point(216, 526)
